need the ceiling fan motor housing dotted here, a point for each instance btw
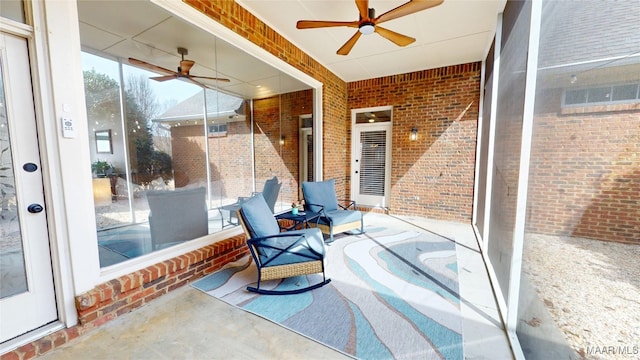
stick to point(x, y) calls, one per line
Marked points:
point(367, 26)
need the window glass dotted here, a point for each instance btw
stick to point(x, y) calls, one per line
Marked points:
point(217, 129)
point(193, 132)
point(583, 185)
point(602, 94)
point(108, 168)
point(575, 97)
point(625, 92)
point(597, 95)
point(13, 9)
point(373, 117)
point(162, 143)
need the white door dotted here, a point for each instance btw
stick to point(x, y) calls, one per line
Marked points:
point(305, 151)
point(306, 154)
point(27, 299)
point(371, 161)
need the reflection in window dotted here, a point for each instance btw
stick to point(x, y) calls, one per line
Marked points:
point(178, 139)
point(103, 142)
point(152, 149)
point(603, 95)
point(217, 130)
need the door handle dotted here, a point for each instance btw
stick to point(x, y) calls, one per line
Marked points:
point(34, 208)
point(30, 167)
point(356, 171)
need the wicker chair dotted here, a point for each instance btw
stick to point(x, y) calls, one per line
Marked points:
point(280, 255)
point(320, 197)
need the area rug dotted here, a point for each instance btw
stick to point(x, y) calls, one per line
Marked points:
point(393, 295)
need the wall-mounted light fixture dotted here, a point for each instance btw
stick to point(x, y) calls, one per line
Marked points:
point(414, 134)
point(574, 78)
point(281, 140)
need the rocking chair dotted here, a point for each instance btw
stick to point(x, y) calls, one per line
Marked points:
point(280, 255)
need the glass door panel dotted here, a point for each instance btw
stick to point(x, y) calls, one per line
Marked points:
point(27, 299)
point(371, 157)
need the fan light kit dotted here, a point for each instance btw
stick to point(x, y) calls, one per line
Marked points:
point(368, 23)
point(182, 73)
point(367, 29)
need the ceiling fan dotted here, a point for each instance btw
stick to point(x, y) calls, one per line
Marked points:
point(182, 73)
point(368, 22)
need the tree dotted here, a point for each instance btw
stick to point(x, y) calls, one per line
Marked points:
point(103, 104)
point(142, 107)
point(102, 97)
point(138, 87)
point(142, 94)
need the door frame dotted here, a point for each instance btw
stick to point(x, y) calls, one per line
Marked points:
point(302, 153)
point(355, 142)
point(35, 306)
point(52, 99)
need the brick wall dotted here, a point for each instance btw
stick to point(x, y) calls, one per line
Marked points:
point(585, 171)
point(438, 168)
point(274, 118)
point(230, 156)
point(119, 296)
point(189, 158)
point(230, 159)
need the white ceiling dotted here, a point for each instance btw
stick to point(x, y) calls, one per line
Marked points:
point(455, 32)
point(141, 30)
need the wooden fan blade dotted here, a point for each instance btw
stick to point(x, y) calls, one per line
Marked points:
point(164, 78)
point(197, 82)
point(363, 8)
point(411, 7)
point(398, 39)
point(210, 78)
point(151, 67)
point(312, 24)
point(346, 48)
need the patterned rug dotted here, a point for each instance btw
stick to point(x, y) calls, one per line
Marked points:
point(393, 295)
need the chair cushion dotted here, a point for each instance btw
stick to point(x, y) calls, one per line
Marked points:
point(258, 217)
point(177, 216)
point(321, 193)
point(313, 246)
point(270, 192)
point(339, 217)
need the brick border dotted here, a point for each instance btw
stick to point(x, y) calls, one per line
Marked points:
point(119, 296)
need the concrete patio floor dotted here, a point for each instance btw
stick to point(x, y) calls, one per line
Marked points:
point(188, 324)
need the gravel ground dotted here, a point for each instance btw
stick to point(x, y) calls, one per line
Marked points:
point(592, 290)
